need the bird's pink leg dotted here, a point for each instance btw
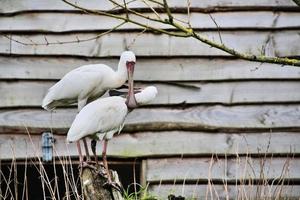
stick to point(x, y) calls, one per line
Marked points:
point(104, 160)
point(109, 180)
point(86, 150)
point(79, 152)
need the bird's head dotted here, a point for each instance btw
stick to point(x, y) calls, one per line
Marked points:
point(128, 57)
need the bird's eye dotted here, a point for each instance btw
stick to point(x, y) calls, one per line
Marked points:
point(130, 62)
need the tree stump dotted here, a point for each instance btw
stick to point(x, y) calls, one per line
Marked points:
point(93, 181)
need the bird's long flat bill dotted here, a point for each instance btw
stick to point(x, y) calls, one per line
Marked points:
point(131, 101)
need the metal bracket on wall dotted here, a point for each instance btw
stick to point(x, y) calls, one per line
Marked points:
point(47, 146)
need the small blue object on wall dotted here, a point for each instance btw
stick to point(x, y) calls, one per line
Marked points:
point(47, 146)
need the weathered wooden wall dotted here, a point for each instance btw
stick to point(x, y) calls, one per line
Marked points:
point(217, 122)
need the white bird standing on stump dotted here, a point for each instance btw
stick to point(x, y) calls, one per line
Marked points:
point(104, 117)
point(87, 83)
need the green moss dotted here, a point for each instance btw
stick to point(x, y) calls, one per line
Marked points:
point(130, 152)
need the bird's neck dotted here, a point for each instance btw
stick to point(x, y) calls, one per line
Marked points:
point(121, 74)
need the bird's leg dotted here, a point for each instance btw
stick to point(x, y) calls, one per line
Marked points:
point(79, 152)
point(105, 160)
point(109, 180)
point(82, 164)
point(86, 150)
point(93, 146)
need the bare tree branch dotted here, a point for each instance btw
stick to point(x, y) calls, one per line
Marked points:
point(275, 60)
point(180, 30)
point(186, 32)
point(129, 20)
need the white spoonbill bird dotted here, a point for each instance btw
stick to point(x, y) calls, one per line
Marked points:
point(89, 82)
point(104, 117)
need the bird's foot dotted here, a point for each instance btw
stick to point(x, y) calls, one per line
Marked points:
point(114, 185)
point(90, 162)
point(87, 164)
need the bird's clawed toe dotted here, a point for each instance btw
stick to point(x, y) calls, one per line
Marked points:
point(113, 185)
point(87, 164)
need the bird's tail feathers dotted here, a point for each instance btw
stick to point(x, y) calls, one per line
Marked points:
point(48, 103)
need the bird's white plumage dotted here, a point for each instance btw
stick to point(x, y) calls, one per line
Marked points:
point(146, 95)
point(105, 116)
point(100, 116)
point(87, 83)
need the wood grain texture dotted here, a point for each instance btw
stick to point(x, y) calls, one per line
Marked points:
point(31, 93)
point(38, 5)
point(267, 43)
point(226, 192)
point(162, 144)
point(149, 69)
point(43, 22)
point(227, 170)
point(196, 118)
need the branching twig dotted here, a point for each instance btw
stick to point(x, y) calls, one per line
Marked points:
point(135, 12)
point(275, 60)
point(65, 42)
point(129, 20)
point(153, 10)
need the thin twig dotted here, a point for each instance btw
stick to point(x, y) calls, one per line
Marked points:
point(153, 10)
point(134, 39)
point(135, 12)
point(66, 42)
point(126, 9)
point(218, 27)
point(157, 2)
point(167, 9)
point(189, 13)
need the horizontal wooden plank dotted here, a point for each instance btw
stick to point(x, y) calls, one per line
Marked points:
point(9, 6)
point(31, 93)
point(212, 118)
point(162, 144)
point(149, 69)
point(42, 22)
point(226, 192)
point(268, 43)
point(221, 169)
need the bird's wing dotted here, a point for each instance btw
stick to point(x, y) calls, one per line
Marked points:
point(102, 115)
point(79, 82)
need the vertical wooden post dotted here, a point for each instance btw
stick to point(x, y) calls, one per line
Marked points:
point(93, 181)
